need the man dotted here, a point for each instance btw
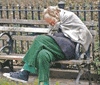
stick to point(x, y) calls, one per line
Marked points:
point(66, 29)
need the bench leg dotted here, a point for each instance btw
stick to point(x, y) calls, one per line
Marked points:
point(78, 77)
point(8, 63)
point(11, 65)
point(81, 71)
point(89, 68)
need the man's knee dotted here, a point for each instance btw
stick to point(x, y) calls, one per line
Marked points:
point(45, 55)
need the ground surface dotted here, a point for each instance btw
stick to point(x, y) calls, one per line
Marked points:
point(53, 81)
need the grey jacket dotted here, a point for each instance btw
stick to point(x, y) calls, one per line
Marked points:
point(73, 28)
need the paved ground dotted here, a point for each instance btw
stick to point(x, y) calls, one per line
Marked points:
point(53, 81)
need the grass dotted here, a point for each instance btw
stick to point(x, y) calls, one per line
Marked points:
point(4, 81)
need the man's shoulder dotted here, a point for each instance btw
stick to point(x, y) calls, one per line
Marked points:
point(67, 11)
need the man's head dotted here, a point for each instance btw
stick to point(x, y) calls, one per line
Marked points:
point(49, 19)
point(51, 15)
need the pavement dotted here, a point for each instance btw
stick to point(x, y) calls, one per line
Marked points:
point(55, 78)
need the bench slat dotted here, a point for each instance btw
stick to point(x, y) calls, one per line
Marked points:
point(12, 57)
point(31, 38)
point(93, 32)
point(73, 61)
point(21, 56)
point(90, 23)
point(24, 29)
point(34, 30)
point(38, 22)
point(23, 21)
point(15, 37)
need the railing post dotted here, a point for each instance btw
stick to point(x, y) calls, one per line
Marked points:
point(25, 12)
point(45, 7)
point(32, 12)
point(20, 26)
point(14, 33)
point(7, 12)
point(61, 4)
point(99, 25)
point(1, 9)
point(91, 7)
point(70, 7)
point(19, 11)
point(38, 12)
point(26, 25)
point(77, 8)
point(13, 11)
point(84, 12)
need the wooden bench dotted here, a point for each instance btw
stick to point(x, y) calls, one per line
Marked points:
point(23, 27)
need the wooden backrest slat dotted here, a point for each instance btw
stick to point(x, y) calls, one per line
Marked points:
point(24, 29)
point(90, 23)
point(29, 29)
point(15, 37)
point(31, 38)
point(38, 22)
point(20, 21)
point(93, 32)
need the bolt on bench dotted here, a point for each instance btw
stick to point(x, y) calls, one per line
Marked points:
point(23, 30)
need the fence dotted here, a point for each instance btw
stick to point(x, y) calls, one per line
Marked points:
point(17, 11)
point(85, 13)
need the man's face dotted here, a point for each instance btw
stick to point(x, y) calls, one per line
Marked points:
point(50, 21)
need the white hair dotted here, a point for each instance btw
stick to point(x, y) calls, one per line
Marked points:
point(47, 16)
point(52, 12)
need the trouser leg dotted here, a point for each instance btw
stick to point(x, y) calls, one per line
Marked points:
point(40, 43)
point(43, 63)
point(29, 68)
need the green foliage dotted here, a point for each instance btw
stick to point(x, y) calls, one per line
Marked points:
point(97, 63)
point(96, 46)
point(57, 83)
point(36, 82)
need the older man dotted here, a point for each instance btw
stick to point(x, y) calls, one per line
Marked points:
point(66, 29)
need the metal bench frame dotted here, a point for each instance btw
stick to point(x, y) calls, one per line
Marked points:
point(83, 63)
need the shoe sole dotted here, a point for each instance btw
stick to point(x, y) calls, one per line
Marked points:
point(15, 79)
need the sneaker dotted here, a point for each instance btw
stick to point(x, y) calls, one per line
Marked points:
point(21, 76)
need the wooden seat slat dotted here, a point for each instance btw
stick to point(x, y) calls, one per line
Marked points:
point(21, 56)
point(12, 56)
point(74, 61)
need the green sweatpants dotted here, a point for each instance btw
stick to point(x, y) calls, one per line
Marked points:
point(42, 51)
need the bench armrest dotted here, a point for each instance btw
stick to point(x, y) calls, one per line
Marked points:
point(77, 51)
point(9, 42)
point(6, 46)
